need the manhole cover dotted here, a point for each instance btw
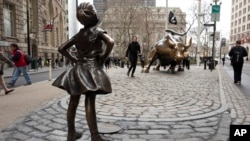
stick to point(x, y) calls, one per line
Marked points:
point(108, 128)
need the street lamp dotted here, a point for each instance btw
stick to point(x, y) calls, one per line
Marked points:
point(28, 27)
point(215, 16)
point(247, 52)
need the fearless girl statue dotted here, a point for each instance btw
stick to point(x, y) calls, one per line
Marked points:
point(87, 77)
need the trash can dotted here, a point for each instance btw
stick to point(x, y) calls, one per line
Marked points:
point(122, 64)
point(34, 63)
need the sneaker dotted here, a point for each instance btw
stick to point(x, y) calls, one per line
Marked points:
point(10, 84)
point(238, 83)
point(27, 84)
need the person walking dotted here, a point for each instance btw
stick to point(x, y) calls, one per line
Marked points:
point(223, 61)
point(132, 54)
point(18, 58)
point(237, 53)
point(87, 77)
point(39, 61)
point(4, 60)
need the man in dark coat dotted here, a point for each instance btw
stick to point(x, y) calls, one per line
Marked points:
point(132, 53)
point(237, 53)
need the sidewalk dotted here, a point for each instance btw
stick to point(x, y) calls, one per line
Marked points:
point(8, 71)
point(194, 105)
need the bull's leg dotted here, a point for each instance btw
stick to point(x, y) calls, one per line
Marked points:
point(152, 58)
point(157, 67)
point(180, 68)
point(172, 67)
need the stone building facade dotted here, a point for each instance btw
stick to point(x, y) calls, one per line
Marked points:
point(102, 5)
point(146, 22)
point(20, 17)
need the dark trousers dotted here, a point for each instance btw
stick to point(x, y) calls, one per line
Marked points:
point(132, 67)
point(237, 71)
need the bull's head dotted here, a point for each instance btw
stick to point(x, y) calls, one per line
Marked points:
point(181, 50)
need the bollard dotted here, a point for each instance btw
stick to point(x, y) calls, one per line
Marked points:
point(205, 64)
point(50, 69)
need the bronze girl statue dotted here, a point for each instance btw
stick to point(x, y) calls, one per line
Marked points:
point(87, 76)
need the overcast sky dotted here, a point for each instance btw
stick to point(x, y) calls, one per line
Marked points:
point(225, 13)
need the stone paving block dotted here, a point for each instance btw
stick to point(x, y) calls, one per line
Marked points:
point(20, 136)
point(148, 114)
point(164, 132)
point(43, 128)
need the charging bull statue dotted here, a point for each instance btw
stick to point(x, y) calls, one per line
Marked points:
point(169, 51)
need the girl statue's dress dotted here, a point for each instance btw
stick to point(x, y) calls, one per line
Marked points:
point(87, 76)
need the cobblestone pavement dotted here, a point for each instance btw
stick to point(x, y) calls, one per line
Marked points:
point(194, 105)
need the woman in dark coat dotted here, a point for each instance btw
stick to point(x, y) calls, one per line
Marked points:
point(87, 76)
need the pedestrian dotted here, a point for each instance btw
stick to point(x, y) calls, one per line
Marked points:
point(87, 76)
point(132, 54)
point(237, 53)
point(4, 60)
point(39, 61)
point(56, 63)
point(18, 57)
point(223, 61)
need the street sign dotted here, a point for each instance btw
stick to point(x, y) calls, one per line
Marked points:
point(215, 17)
point(216, 9)
point(215, 14)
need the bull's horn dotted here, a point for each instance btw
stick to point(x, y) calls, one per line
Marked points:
point(188, 45)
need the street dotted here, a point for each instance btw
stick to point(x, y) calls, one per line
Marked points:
point(245, 85)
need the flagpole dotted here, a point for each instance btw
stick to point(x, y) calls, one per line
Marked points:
point(198, 34)
point(166, 23)
point(28, 27)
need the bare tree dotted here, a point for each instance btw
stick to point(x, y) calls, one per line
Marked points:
point(120, 21)
point(147, 25)
point(205, 18)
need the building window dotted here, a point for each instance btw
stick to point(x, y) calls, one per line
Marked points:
point(248, 26)
point(243, 28)
point(8, 12)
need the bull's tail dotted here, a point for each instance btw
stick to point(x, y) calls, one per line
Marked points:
point(180, 34)
point(175, 33)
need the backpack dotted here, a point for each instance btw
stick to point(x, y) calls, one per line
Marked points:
point(27, 58)
point(237, 56)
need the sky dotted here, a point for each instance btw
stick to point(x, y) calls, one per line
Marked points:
point(223, 26)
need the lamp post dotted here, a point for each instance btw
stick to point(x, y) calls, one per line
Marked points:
point(247, 52)
point(198, 41)
point(28, 27)
point(215, 16)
